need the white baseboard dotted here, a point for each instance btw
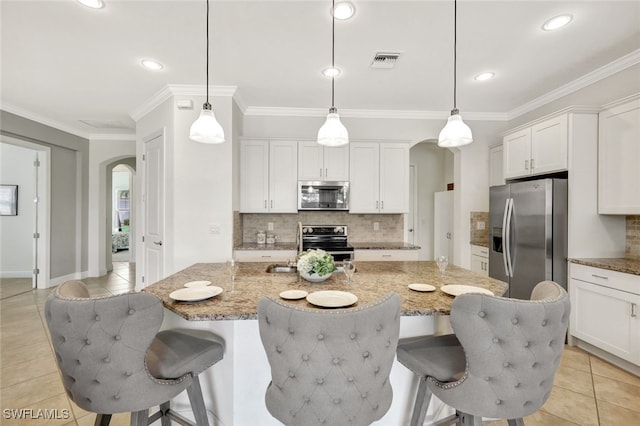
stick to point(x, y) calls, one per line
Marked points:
point(16, 274)
point(74, 276)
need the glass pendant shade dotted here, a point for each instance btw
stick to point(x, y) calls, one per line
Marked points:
point(455, 133)
point(206, 128)
point(333, 132)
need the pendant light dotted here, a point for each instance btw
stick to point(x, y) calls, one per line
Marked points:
point(206, 128)
point(455, 133)
point(333, 132)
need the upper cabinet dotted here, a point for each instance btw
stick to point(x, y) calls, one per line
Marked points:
point(538, 149)
point(496, 168)
point(619, 159)
point(316, 162)
point(379, 177)
point(268, 176)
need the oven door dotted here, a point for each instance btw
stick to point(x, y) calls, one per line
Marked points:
point(318, 195)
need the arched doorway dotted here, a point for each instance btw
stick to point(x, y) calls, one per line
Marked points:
point(120, 212)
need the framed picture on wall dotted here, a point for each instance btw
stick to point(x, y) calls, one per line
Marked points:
point(8, 200)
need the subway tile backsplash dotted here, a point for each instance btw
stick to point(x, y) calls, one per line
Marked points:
point(361, 226)
point(632, 244)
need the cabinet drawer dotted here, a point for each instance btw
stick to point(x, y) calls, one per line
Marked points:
point(382, 255)
point(480, 251)
point(265, 255)
point(604, 277)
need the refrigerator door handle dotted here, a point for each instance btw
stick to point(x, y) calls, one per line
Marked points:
point(507, 239)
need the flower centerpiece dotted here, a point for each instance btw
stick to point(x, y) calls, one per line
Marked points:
point(315, 265)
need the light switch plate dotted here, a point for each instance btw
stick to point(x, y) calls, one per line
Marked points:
point(480, 225)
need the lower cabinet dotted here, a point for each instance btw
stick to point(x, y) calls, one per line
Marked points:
point(389, 255)
point(605, 310)
point(480, 260)
point(265, 255)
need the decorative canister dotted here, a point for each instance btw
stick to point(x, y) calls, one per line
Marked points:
point(271, 238)
point(261, 237)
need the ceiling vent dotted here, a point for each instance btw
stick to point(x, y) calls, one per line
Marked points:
point(107, 124)
point(384, 60)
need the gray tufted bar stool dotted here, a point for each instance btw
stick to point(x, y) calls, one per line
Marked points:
point(500, 363)
point(113, 359)
point(332, 367)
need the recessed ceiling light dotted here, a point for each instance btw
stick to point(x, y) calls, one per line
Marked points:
point(483, 76)
point(94, 4)
point(344, 10)
point(151, 64)
point(557, 22)
point(331, 72)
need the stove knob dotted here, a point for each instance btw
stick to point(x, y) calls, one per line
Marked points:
point(306, 230)
point(338, 230)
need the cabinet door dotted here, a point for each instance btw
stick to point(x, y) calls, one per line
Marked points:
point(517, 153)
point(479, 265)
point(310, 161)
point(549, 146)
point(604, 317)
point(496, 167)
point(618, 160)
point(283, 177)
point(394, 178)
point(254, 176)
point(364, 165)
point(336, 163)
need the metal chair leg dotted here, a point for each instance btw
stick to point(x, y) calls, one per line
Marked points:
point(164, 409)
point(140, 418)
point(102, 419)
point(197, 402)
point(465, 419)
point(423, 397)
point(516, 422)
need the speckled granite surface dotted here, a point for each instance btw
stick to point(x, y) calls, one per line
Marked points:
point(627, 266)
point(384, 246)
point(371, 281)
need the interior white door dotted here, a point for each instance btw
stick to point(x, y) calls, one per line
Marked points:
point(153, 201)
point(443, 224)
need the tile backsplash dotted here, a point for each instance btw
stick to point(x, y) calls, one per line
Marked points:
point(479, 236)
point(361, 226)
point(632, 243)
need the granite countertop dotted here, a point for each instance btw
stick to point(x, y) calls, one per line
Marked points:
point(371, 282)
point(276, 246)
point(481, 243)
point(627, 266)
point(384, 246)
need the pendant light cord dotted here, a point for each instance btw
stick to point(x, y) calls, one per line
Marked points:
point(333, 48)
point(207, 51)
point(455, 51)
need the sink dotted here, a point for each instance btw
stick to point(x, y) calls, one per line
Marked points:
point(272, 269)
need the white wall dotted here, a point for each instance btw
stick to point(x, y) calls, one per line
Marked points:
point(101, 153)
point(16, 245)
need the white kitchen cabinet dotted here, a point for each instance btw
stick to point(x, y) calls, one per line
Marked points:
point(619, 159)
point(605, 310)
point(379, 177)
point(268, 176)
point(385, 255)
point(274, 256)
point(480, 260)
point(538, 149)
point(496, 167)
point(320, 163)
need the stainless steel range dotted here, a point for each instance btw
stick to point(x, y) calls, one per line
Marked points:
point(330, 238)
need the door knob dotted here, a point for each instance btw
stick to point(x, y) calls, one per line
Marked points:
point(158, 243)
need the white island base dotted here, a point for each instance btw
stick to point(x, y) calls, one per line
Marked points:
point(234, 388)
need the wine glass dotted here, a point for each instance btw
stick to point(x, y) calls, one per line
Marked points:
point(349, 268)
point(232, 269)
point(442, 263)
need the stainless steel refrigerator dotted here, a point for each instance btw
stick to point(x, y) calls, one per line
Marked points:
point(528, 234)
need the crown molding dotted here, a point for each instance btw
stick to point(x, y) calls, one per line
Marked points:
point(24, 113)
point(113, 137)
point(594, 76)
point(179, 90)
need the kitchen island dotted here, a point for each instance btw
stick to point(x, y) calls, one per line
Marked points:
point(234, 387)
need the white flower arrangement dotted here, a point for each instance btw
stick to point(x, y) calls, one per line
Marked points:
point(316, 261)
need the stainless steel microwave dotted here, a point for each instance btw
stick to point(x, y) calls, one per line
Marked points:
point(321, 195)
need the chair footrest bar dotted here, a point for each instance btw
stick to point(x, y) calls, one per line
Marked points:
point(179, 418)
point(446, 421)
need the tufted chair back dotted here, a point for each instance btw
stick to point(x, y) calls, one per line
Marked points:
point(330, 367)
point(100, 346)
point(512, 349)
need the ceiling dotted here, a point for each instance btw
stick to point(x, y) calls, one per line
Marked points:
point(63, 62)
